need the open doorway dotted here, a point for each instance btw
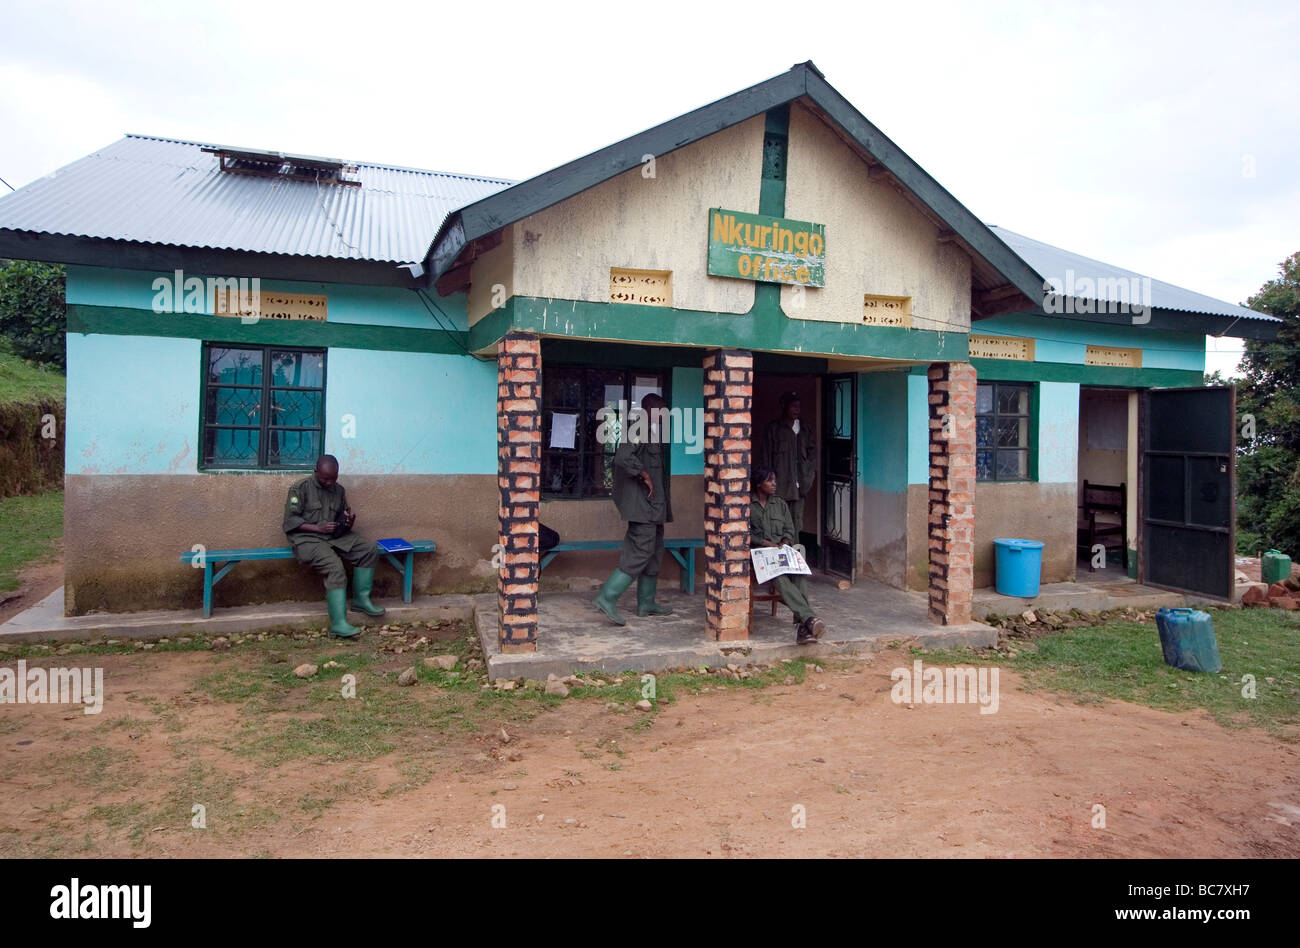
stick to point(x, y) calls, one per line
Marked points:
point(767, 408)
point(1107, 489)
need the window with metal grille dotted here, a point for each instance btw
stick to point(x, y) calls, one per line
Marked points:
point(587, 468)
point(263, 407)
point(1002, 431)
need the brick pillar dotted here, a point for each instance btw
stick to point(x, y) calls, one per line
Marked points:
point(519, 472)
point(952, 491)
point(728, 400)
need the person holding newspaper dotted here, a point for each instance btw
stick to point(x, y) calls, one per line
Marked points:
point(770, 524)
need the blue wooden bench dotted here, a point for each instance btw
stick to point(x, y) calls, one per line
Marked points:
point(224, 561)
point(682, 550)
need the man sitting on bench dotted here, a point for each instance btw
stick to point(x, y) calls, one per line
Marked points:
point(318, 522)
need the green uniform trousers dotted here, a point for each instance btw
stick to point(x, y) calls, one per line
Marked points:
point(796, 514)
point(643, 549)
point(326, 556)
point(794, 591)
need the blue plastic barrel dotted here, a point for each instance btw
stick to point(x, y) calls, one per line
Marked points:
point(1187, 640)
point(1019, 566)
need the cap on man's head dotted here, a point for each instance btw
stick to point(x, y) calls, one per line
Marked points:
point(789, 397)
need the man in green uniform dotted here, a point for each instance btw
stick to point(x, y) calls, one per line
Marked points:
point(770, 525)
point(641, 495)
point(790, 449)
point(318, 522)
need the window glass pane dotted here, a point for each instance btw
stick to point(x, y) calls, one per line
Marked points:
point(1013, 465)
point(299, 369)
point(1013, 400)
point(231, 447)
point(983, 398)
point(293, 448)
point(984, 431)
point(984, 465)
point(296, 409)
point(560, 473)
point(1013, 432)
point(234, 366)
point(234, 406)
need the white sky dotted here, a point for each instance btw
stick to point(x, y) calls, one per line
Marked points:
point(1161, 137)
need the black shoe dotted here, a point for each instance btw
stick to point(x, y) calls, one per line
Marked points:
point(804, 635)
point(817, 627)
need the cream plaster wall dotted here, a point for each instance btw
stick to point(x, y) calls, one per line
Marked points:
point(876, 241)
point(659, 223)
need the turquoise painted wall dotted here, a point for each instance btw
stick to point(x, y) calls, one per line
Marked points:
point(133, 408)
point(133, 401)
point(367, 305)
point(1066, 340)
point(687, 393)
point(884, 430)
point(1058, 432)
point(133, 405)
point(918, 429)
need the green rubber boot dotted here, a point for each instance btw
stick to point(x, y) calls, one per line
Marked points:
point(362, 579)
point(645, 598)
point(607, 601)
point(337, 600)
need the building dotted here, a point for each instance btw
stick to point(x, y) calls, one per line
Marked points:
point(429, 329)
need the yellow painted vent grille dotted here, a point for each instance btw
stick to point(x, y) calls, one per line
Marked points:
point(646, 287)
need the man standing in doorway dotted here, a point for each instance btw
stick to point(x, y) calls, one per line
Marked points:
point(641, 495)
point(790, 449)
point(318, 522)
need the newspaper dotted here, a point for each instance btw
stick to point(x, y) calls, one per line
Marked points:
point(770, 561)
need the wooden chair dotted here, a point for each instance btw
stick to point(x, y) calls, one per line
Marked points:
point(1103, 518)
point(756, 594)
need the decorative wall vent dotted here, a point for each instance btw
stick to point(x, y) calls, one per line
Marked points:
point(887, 310)
point(1002, 347)
point(264, 305)
point(646, 287)
point(1113, 356)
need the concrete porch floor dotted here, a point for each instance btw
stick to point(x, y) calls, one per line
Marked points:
point(574, 636)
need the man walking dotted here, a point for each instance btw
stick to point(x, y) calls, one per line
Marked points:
point(641, 495)
point(318, 522)
point(790, 449)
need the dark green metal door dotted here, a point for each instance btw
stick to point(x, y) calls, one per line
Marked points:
point(840, 474)
point(1189, 490)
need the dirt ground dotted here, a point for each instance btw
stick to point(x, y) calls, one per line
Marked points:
point(723, 773)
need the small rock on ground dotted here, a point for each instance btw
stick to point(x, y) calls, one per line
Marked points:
point(408, 677)
point(305, 670)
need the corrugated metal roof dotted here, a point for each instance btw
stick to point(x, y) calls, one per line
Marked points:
point(1061, 265)
point(161, 191)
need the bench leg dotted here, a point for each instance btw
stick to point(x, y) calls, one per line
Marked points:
point(207, 588)
point(408, 578)
point(689, 578)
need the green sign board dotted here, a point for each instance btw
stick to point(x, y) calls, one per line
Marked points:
point(767, 249)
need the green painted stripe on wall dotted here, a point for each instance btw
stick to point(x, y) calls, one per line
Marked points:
point(1007, 370)
point(661, 325)
point(120, 321)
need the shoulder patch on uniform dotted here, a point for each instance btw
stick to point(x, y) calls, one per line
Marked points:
point(293, 498)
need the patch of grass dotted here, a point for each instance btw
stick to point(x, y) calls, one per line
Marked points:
point(27, 382)
point(29, 527)
point(101, 768)
point(1122, 660)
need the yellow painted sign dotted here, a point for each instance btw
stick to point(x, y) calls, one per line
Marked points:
point(1002, 347)
point(1113, 356)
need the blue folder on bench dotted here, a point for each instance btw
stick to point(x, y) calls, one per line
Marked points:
point(395, 545)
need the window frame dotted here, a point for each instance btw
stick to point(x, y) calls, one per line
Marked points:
point(265, 427)
point(1031, 417)
point(664, 373)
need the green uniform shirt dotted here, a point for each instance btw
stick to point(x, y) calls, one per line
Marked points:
point(771, 523)
point(792, 456)
point(630, 496)
point(308, 502)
